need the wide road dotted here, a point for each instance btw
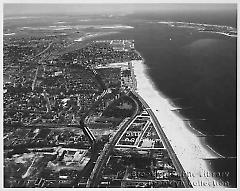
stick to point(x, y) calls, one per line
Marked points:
point(99, 167)
point(45, 50)
point(94, 180)
point(34, 58)
point(167, 145)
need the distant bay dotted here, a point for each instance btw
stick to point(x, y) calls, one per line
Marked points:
point(200, 69)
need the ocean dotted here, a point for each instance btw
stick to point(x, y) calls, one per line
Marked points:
point(196, 71)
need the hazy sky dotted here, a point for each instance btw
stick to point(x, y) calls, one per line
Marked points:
point(32, 9)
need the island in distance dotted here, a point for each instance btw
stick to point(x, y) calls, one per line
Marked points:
point(80, 110)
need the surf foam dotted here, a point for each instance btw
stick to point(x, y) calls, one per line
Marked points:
point(187, 146)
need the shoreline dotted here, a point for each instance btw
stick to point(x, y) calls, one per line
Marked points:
point(186, 144)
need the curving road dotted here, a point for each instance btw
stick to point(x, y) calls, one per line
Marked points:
point(167, 145)
point(102, 160)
